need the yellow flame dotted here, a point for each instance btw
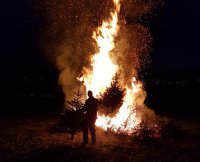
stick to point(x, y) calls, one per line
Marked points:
point(103, 68)
point(126, 119)
point(102, 73)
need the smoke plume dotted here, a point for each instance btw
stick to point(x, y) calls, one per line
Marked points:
point(67, 36)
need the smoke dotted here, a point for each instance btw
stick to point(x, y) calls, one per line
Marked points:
point(132, 50)
point(67, 36)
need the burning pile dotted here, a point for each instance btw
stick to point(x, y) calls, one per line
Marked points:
point(103, 70)
point(95, 41)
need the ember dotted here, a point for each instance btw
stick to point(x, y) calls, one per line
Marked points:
point(102, 73)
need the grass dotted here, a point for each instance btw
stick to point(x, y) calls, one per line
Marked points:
point(29, 139)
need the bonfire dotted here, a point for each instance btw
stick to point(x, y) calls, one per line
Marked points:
point(103, 70)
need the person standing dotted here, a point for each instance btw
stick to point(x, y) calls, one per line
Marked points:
point(90, 109)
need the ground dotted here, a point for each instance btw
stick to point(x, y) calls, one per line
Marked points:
point(30, 139)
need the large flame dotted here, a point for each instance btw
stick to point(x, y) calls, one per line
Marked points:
point(103, 68)
point(126, 119)
point(102, 73)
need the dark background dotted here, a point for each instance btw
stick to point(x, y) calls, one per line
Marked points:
point(173, 80)
point(28, 81)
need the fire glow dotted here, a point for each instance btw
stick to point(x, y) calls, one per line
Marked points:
point(102, 73)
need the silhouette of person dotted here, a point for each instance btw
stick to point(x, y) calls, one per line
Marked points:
point(90, 108)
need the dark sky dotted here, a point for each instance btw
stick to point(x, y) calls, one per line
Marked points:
point(19, 42)
point(175, 29)
point(176, 32)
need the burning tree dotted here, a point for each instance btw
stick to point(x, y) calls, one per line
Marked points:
point(112, 98)
point(111, 58)
point(101, 75)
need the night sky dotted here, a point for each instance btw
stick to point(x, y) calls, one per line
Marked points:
point(20, 50)
point(176, 36)
point(174, 27)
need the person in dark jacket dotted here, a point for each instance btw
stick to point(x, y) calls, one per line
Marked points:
point(90, 108)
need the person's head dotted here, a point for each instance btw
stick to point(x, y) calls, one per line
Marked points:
point(90, 94)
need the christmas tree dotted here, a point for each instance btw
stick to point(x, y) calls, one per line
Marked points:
point(112, 98)
point(71, 119)
point(75, 104)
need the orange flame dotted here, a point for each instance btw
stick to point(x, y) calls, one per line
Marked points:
point(102, 73)
point(103, 68)
point(126, 119)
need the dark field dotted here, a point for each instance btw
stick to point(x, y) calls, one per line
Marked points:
point(27, 116)
point(29, 139)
